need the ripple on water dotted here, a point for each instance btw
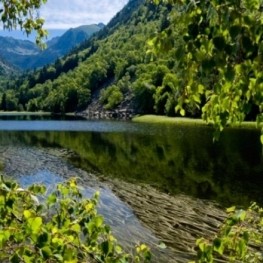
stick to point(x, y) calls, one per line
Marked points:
point(33, 165)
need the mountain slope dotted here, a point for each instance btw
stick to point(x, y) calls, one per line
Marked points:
point(13, 50)
point(62, 45)
point(112, 70)
point(26, 55)
point(6, 69)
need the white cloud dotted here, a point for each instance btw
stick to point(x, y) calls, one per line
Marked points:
point(72, 13)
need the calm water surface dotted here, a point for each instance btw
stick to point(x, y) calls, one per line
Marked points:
point(171, 163)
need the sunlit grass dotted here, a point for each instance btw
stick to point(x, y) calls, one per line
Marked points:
point(185, 121)
point(165, 119)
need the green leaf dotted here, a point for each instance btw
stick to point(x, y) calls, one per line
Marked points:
point(46, 252)
point(246, 236)
point(59, 257)
point(231, 209)
point(105, 247)
point(76, 228)
point(28, 259)
point(97, 195)
point(201, 243)
point(35, 224)
point(37, 189)
point(162, 245)
point(91, 227)
point(261, 139)
point(118, 249)
point(241, 215)
point(98, 221)
point(57, 241)
point(27, 214)
point(218, 246)
point(242, 248)
point(217, 242)
point(52, 199)
point(182, 112)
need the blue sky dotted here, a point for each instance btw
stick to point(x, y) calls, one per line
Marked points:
point(64, 14)
point(61, 15)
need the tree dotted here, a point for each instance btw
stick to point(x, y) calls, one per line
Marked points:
point(3, 102)
point(218, 57)
point(219, 69)
point(24, 15)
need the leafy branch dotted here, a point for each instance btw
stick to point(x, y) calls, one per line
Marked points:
point(62, 227)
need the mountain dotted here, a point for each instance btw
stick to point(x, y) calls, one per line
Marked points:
point(18, 34)
point(6, 69)
point(26, 55)
point(112, 70)
point(14, 50)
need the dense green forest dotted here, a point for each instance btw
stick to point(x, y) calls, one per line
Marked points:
point(120, 68)
point(113, 66)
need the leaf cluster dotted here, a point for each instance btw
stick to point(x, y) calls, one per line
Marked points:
point(218, 56)
point(238, 240)
point(23, 15)
point(61, 226)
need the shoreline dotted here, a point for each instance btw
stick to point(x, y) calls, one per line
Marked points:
point(189, 121)
point(26, 113)
point(147, 118)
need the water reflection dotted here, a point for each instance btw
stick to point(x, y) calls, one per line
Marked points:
point(168, 160)
point(32, 165)
point(125, 224)
point(172, 159)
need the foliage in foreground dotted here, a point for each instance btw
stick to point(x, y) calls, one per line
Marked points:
point(239, 239)
point(62, 226)
point(23, 15)
point(218, 56)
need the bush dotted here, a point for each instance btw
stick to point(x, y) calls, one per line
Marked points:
point(239, 238)
point(62, 226)
point(111, 97)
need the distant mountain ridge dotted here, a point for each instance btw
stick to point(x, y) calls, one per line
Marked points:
point(6, 69)
point(25, 55)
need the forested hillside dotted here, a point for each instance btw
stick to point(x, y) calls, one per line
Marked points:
point(6, 69)
point(117, 68)
point(115, 59)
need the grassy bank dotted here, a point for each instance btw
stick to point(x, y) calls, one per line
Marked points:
point(165, 119)
point(184, 121)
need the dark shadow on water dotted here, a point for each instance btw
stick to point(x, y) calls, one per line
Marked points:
point(173, 159)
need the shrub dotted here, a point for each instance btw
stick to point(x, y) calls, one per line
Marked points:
point(61, 226)
point(239, 238)
point(111, 97)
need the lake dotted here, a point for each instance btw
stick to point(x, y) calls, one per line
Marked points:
point(158, 183)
